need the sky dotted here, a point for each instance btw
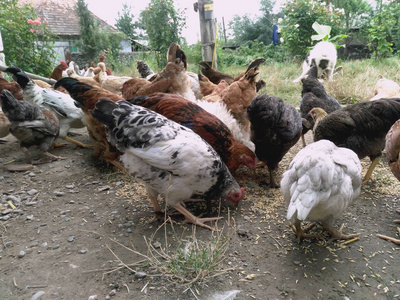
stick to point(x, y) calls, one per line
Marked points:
point(225, 9)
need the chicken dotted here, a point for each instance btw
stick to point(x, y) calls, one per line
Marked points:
point(208, 126)
point(4, 125)
point(275, 128)
point(321, 182)
point(13, 87)
point(213, 93)
point(361, 127)
point(206, 86)
point(86, 97)
point(61, 104)
point(85, 79)
point(169, 158)
point(57, 73)
point(31, 124)
point(144, 70)
point(215, 76)
point(386, 88)
point(111, 83)
point(314, 95)
point(172, 79)
point(392, 147)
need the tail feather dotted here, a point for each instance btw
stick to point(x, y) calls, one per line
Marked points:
point(18, 75)
point(74, 87)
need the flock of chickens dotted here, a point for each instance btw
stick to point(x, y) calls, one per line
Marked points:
point(185, 134)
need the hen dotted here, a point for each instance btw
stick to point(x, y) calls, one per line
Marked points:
point(208, 126)
point(169, 158)
point(57, 73)
point(4, 125)
point(85, 97)
point(31, 124)
point(275, 128)
point(13, 87)
point(392, 147)
point(314, 95)
point(361, 127)
point(61, 104)
point(386, 88)
point(144, 70)
point(321, 182)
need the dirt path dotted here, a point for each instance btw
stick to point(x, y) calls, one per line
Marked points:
point(76, 222)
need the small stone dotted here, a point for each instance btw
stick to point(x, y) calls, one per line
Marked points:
point(140, 275)
point(113, 292)
point(118, 183)
point(247, 218)
point(108, 297)
point(114, 212)
point(71, 239)
point(21, 254)
point(13, 198)
point(69, 186)
point(31, 174)
point(72, 202)
point(83, 251)
point(30, 217)
point(44, 245)
point(67, 219)
point(56, 246)
point(58, 193)
point(32, 192)
point(93, 297)
point(5, 218)
point(296, 262)
point(157, 245)
point(129, 230)
point(37, 295)
point(250, 184)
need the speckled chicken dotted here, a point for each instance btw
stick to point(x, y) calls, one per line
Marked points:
point(392, 147)
point(208, 126)
point(321, 182)
point(361, 127)
point(275, 128)
point(314, 95)
point(31, 124)
point(169, 158)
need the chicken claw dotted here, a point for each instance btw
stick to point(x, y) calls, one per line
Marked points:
point(338, 235)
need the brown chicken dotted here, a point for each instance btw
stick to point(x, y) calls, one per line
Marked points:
point(392, 147)
point(4, 125)
point(209, 90)
point(172, 79)
point(208, 126)
point(13, 87)
point(215, 76)
point(86, 97)
point(58, 70)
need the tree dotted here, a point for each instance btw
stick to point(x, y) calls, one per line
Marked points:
point(26, 38)
point(95, 41)
point(126, 24)
point(355, 12)
point(163, 25)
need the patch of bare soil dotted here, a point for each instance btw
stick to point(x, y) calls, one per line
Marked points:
point(75, 228)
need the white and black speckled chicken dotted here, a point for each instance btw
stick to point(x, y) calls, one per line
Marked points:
point(31, 124)
point(361, 127)
point(61, 104)
point(321, 182)
point(314, 95)
point(275, 128)
point(169, 158)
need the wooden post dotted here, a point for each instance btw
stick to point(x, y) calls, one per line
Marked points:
point(207, 30)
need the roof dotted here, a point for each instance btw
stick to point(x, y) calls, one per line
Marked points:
point(61, 15)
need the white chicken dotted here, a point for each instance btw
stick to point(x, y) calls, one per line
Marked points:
point(61, 104)
point(322, 181)
point(169, 158)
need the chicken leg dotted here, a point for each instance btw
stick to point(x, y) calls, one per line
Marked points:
point(337, 234)
point(302, 232)
point(78, 143)
point(190, 218)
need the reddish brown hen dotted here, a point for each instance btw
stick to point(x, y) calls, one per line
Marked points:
point(208, 126)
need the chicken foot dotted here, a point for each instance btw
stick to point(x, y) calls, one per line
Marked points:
point(272, 179)
point(40, 161)
point(190, 218)
point(78, 143)
point(302, 232)
point(118, 165)
point(337, 234)
point(388, 238)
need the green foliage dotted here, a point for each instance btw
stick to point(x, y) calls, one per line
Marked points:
point(296, 27)
point(26, 38)
point(245, 29)
point(95, 41)
point(163, 25)
point(193, 54)
point(355, 12)
point(126, 24)
point(383, 30)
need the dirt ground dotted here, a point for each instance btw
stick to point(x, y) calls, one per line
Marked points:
point(81, 229)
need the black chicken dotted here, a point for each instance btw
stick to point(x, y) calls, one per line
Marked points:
point(275, 128)
point(314, 95)
point(361, 127)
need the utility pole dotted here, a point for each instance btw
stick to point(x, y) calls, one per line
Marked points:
point(207, 31)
